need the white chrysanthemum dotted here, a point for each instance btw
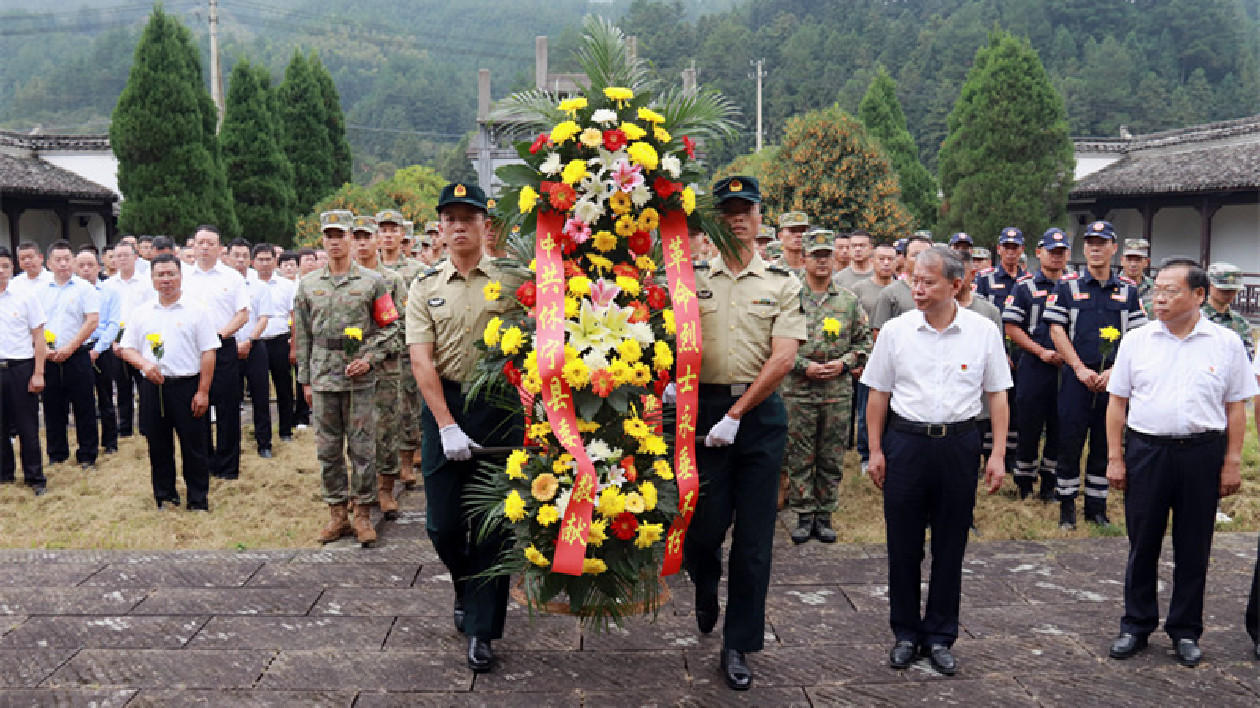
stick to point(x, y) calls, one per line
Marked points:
point(604, 116)
point(671, 165)
point(587, 212)
point(552, 165)
point(641, 331)
point(595, 360)
point(641, 195)
point(599, 450)
point(562, 501)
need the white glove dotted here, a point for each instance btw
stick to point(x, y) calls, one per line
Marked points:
point(670, 395)
point(723, 433)
point(456, 444)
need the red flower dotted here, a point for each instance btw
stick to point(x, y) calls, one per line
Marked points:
point(512, 373)
point(641, 312)
point(626, 270)
point(625, 526)
point(661, 382)
point(639, 243)
point(539, 142)
point(664, 188)
point(572, 269)
point(690, 145)
point(627, 465)
point(656, 297)
point(602, 383)
point(562, 197)
point(527, 294)
point(614, 139)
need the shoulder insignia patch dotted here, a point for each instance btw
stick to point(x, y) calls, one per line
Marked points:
point(987, 271)
point(1070, 276)
point(1126, 280)
point(1022, 278)
point(427, 273)
point(437, 301)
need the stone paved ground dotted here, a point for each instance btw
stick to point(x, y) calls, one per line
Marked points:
point(344, 626)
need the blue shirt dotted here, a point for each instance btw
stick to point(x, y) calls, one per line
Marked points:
point(1083, 306)
point(107, 328)
point(1027, 305)
point(995, 284)
point(67, 306)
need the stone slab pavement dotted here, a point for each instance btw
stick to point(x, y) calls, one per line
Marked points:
point(343, 626)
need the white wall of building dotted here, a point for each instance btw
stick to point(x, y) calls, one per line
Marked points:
point(1236, 236)
point(101, 168)
point(1088, 164)
point(41, 226)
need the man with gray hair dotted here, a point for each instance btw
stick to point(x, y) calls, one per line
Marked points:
point(926, 374)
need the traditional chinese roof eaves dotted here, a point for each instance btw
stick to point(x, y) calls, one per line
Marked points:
point(35, 177)
point(48, 143)
point(1207, 132)
point(1226, 167)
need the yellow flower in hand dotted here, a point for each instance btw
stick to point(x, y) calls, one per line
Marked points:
point(492, 290)
point(1109, 333)
point(154, 338)
point(351, 332)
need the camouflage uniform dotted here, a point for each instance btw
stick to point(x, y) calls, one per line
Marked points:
point(1231, 320)
point(409, 401)
point(819, 411)
point(389, 377)
point(343, 408)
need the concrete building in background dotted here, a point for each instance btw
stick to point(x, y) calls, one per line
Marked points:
point(57, 187)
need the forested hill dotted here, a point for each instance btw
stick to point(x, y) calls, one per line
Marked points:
point(406, 69)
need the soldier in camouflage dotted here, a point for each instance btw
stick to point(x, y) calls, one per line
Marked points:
point(1134, 262)
point(792, 228)
point(391, 232)
point(1226, 281)
point(337, 372)
point(818, 393)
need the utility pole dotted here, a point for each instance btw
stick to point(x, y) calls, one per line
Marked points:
point(216, 75)
point(760, 74)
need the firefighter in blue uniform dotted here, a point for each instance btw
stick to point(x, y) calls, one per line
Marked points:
point(1078, 310)
point(1037, 370)
point(995, 285)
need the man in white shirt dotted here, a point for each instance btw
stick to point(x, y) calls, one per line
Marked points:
point(221, 292)
point(22, 354)
point(1252, 616)
point(133, 289)
point(72, 306)
point(926, 375)
point(276, 335)
point(251, 351)
point(175, 391)
point(1185, 382)
point(30, 260)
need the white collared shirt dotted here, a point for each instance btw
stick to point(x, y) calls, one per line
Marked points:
point(23, 283)
point(220, 291)
point(67, 306)
point(132, 292)
point(260, 304)
point(19, 314)
point(938, 377)
point(185, 330)
point(283, 292)
point(1180, 386)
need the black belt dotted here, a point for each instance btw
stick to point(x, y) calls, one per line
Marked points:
point(1178, 440)
point(731, 390)
point(931, 430)
point(330, 342)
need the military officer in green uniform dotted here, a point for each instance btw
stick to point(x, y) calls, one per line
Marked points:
point(388, 372)
point(751, 324)
point(337, 369)
point(392, 231)
point(447, 310)
point(1134, 262)
point(818, 392)
point(1226, 282)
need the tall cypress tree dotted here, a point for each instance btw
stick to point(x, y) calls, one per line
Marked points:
point(1008, 158)
point(258, 173)
point(881, 113)
point(336, 121)
point(306, 141)
point(163, 132)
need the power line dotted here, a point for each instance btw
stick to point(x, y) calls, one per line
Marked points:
point(421, 133)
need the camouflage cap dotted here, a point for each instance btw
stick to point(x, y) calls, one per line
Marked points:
point(980, 252)
point(1225, 276)
point(390, 216)
point(1137, 247)
point(766, 233)
point(774, 249)
point(409, 230)
point(820, 240)
point(431, 227)
point(364, 223)
point(789, 219)
point(336, 219)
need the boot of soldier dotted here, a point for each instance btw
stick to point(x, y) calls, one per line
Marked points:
point(1046, 493)
point(1067, 514)
point(385, 495)
point(363, 525)
point(407, 469)
point(822, 528)
point(1025, 486)
point(338, 524)
point(804, 528)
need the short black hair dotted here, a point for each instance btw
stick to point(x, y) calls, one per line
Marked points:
point(263, 247)
point(27, 246)
point(841, 235)
point(209, 227)
point(108, 247)
point(286, 257)
point(238, 242)
point(305, 251)
point(146, 238)
point(163, 243)
point(166, 258)
point(916, 237)
point(860, 232)
point(1196, 276)
point(60, 245)
point(5, 253)
point(89, 248)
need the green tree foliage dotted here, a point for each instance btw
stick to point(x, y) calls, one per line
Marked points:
point(336, 122)
point(412, 190)
point(258, 173)
point(881, 113)
point(170, 169)
point(829, 168)
point(1008, 159)
point(306, 140)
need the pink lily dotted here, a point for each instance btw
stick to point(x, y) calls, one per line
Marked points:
point(627, 176)
point(604, 292)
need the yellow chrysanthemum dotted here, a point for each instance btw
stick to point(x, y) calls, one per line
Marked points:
point(630, 350)
point(564, 132)
point(591, 137)
point(661, 135)
point(544, 487)
point(548, 514)
point(532, 383)
point(641, 374)
point(597, 534)
point(571, 307)
point(648, 490)
point(604, 240)
point(580, 285)
point(152, 338)
point(633, 131)
point(573, 172)
point(626, 226)
point(620, 202)
point(653, 445)
point(620, 372)
point(527, 200)
point(539, 431)
point(536, 557)
point(562, 464)
point(512, 340)
point(533, 265)
point(515, 462)
point(636, 428)
point(1109, 334)
point(600, 263)
point(634, 503)
point(514, 506)
point(593, 566)
point(645, 264)
point(628, 285)
point(649, 219)
point(573, 105)
point(351, 333)
point(650, 116)
point(611, 502)
point(644, 154)
point(491, 335)
point(649, 534)
point(689, 200)
point(663, 470)
point(668, 316)
point(577, 373)
point(617, 93)
point(831, 326)
point(492, 290)
point(587, 426)
point(662, 356)
point(531, 361)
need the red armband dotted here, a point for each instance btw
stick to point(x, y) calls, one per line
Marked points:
point(383, 310)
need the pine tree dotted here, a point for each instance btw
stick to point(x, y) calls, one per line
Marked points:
point(306, 142)
point(881, 113)
point(1008, 158)
point(163, 133)
point(336, 122)
point(258, 173)
point(829, 168)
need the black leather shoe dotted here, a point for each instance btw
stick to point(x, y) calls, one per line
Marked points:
point(706, 612)
point(1257, 650)
point(1067, 514)
point(941, 658)
point(87, 466)
point(1025, 487)
point(1188, 652)
point(1098, 517)
point(903, 654)
point(804, 528)
point(822, 529)
point(480, 655)
point(459, 614)
point(735, 668)
point(265, 453)
point(286, 438)
point(111, 449)
point(1126, 645)
point(40, 490)
point(1046, 492)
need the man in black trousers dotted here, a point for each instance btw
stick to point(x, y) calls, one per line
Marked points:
point(277, 333)
point(72, 306)
point(22, 353)
point(175, 391)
